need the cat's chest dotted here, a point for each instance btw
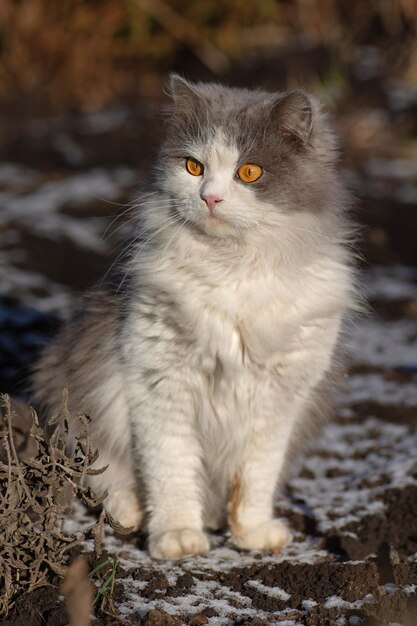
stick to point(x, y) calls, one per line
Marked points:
point(274, 318)
point(254, 320)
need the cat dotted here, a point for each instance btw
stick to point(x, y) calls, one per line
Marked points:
point(204, 369)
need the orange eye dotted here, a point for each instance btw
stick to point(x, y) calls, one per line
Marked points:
point(194, 167)
point(249, 172)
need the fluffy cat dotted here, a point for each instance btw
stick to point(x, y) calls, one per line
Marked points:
point(203, 371)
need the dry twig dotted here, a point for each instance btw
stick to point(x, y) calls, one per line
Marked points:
point(36, 495)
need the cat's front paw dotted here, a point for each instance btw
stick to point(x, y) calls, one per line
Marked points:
point(177, 544)
point(271, 535)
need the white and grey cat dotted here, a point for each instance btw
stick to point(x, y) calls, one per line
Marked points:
point(200, 375)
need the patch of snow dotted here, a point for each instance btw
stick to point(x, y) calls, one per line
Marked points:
point(13, 173)
point(402, 169)
point(388, 344)
point(34, 290)
point(40, 212)
point(375, 387)
point(410, 590)
point(390, 283)
point(335, 602)
point(309, 604)
point(273, 592)
point(96, 183)
point(203, 593)
point(103, 121)
point(335, 493)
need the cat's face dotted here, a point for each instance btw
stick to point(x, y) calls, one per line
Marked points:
point(237, 160)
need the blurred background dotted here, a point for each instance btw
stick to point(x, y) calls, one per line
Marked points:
point(81, 86)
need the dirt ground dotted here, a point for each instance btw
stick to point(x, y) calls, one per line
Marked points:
point(352, 500)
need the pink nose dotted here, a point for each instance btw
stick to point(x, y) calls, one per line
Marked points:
point(211, 200)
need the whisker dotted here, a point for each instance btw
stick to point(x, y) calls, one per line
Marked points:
point(131, 206)
point(169, 242)
point(137, 253)
point(135, 217)
point(107, 201)
point(121, 225)
point(131, 243)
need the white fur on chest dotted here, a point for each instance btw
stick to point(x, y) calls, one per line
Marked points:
point(264, 320)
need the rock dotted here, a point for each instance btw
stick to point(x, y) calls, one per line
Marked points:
point(157, 617)
point(198, 619)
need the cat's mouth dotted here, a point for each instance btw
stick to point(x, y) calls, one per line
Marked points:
point(214, 224)
point(216, 218)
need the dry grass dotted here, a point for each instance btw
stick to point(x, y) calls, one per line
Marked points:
point(36, 495)
point(75, 53)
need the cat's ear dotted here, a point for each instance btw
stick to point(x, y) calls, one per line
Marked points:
point(181, 90)
point(294, 116)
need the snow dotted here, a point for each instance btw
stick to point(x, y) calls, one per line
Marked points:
point(375, 387)
point(103, 121)
point(33, 205)
point(391, 283)
point(273, 592)
point(13, 173)
point(334, 602)
point(410, 590)
point(403, 169)
point(34, 289)
point(380, 449)
point(387, 344)
point(40, 210)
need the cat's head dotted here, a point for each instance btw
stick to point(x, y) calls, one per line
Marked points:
point(236, 160)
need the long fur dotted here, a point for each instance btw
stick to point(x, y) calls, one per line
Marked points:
point(211, 357)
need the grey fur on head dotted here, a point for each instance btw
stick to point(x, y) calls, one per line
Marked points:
point(287, 133)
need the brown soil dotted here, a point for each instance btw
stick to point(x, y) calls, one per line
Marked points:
point(42, 607)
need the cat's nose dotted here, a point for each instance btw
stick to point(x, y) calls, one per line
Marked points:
point(211, 200)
